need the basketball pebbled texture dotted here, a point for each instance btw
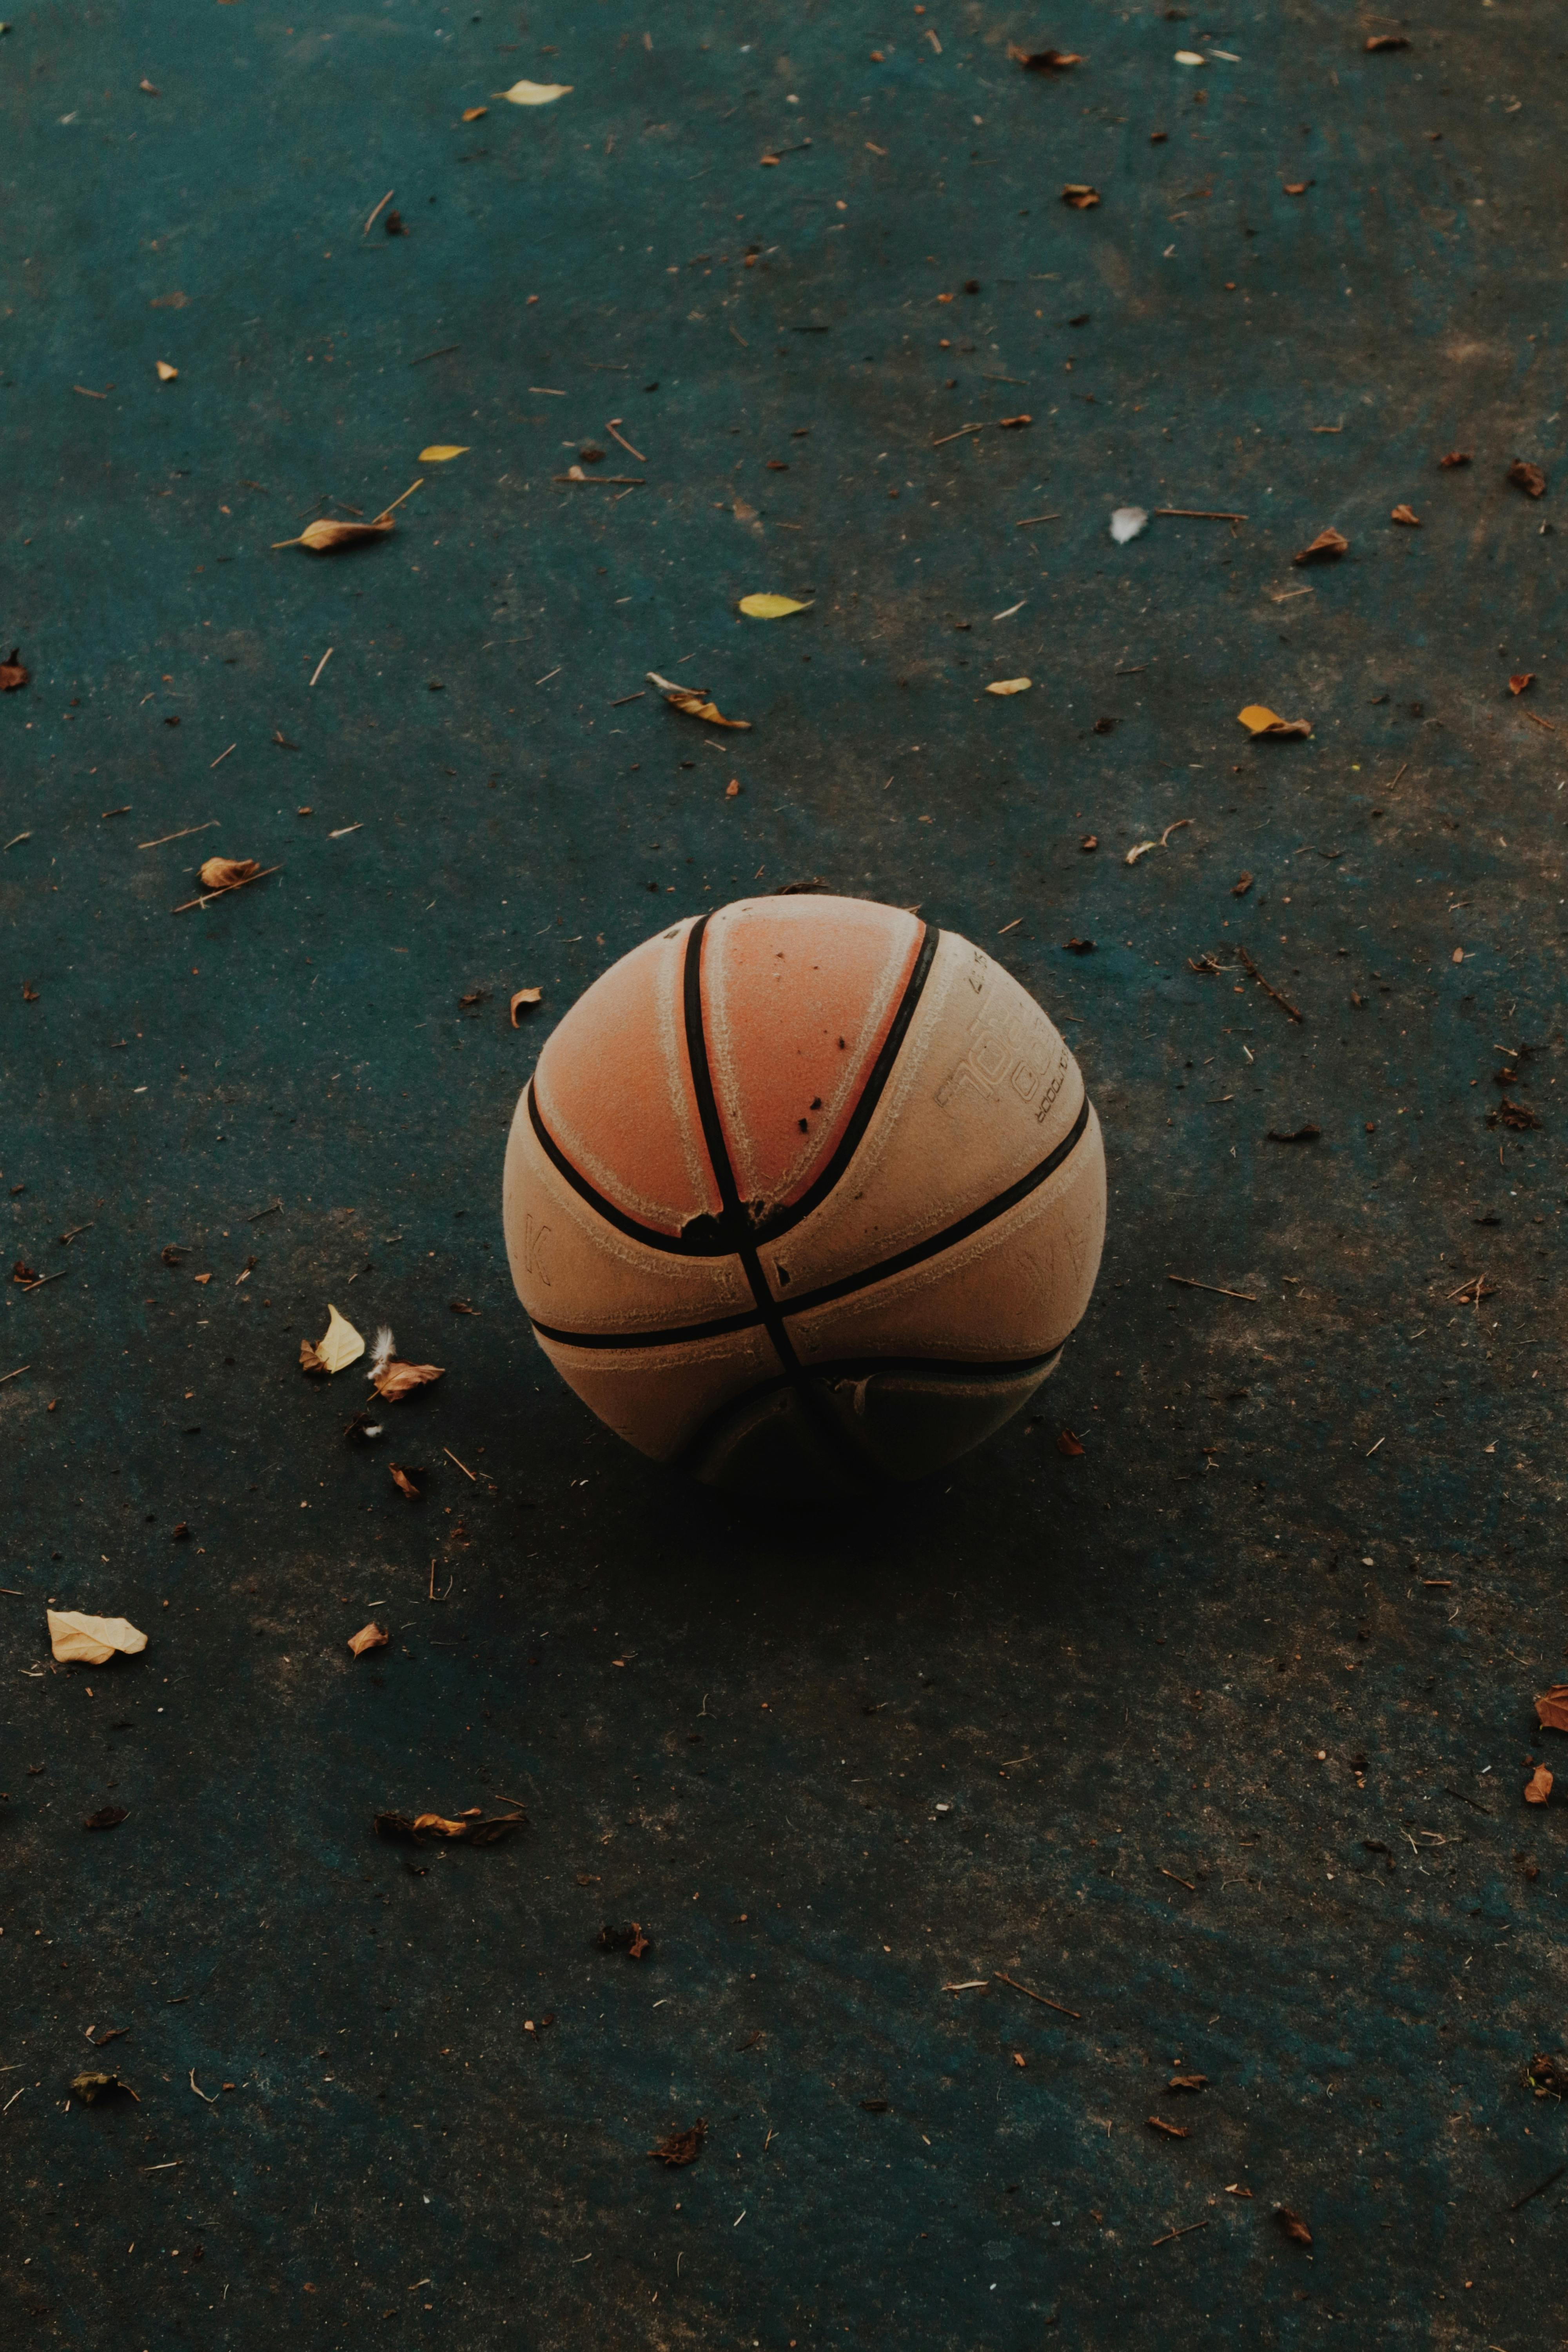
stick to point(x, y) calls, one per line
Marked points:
point(804, 1194)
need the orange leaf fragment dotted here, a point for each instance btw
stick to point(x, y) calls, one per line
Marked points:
point(1293, 2225)
point(1405, 514)
point(1552, 1708)
point(1068, 1444)
point(369, 1637)
point(1258, 720)
point(1528, 478)
point(1080, 196)
point(1325, 549)
point(224, 872)
point(1538, 1787)
point(395, 1379)
point(1520, 680)
point(694, 700)
point(522, 998)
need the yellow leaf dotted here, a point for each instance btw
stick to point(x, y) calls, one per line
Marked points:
point(439, 451)
point(90, 1638)
point(1258, 720)
point(340, 1346)
point(1010, 685)
point(227, 872)
point(694, 700)
point(772, 607)
point(166, 373)
point(533, 93)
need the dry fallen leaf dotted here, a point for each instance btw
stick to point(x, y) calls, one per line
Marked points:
point(323, 536)
point(395, 1379)
point(1042, 60)
point(1538, 1787)
point(404, 1478)
point(1258, 720)
point(12, 674)
point(369, 1637)
point(1328, 545)
point(472, 114)
point(1405, 514)
point(412, 1827)
point(107, 1817)
point(340, 1346)
point(223, 873)
point(767, 607)
point(694, 700)
point(1293, 2225)
point(1139, 849)
point(439, 452)
point(1528, 478)
point(1456, 457)
point(166, 373)
point(91, 1639)
point(1297, 187)
point(1380, 41)
point(533, 93)
point(629, 1940)
point(1188, 2082)
point(681, 2146)
point(1522, 679)
point(1190, 57)
point(1014, 424)
point(1068, 1444)
point(1171, 2131)
point(1080, 196)
point(89, 2088)
point(522, 998)
point(1241, 886)
point(1552, 1708)
point(1010, 685)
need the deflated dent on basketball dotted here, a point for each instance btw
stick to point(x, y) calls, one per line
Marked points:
point(804, 1194)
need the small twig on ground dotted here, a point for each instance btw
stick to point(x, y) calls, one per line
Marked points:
point(380, 207)
point(208, 896)
point(1201, 514)
point(1002, 1977)
point(1188, 1282)
point(1268, 991)
point(1178, 2233)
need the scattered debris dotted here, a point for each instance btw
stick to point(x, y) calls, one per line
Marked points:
point(1241, 886)
point(1528, 478)
point(1293, 2225)
point(340, 1346)
point(1010, 685)
point(1327, 548)
point(1188, 2082)
point(1259, 721)
point(681, 2146)
point(1171, 2131)
point(1380, 41)
point(1080, 947)
point(92, 1640)
point(369, 1637)
point(1548, 2078)
point(1283, 1002)
point(1128, 522)
point(1014, 424)
point(629, 1940)
point(1456, 457)
point(1080, 196)
point(694, 700)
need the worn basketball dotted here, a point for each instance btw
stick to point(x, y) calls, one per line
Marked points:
point(804, 1194)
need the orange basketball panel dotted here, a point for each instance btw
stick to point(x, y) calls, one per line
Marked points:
point(613, 1089)
point(798, 995)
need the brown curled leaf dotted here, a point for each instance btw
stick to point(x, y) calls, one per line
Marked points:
point(406, 1480)
point(1080, 196)
point(1326, 548)
point(695, 701)
point(1552, 1708)
point(369, 1637)
point(1528, 478)
point(395, 1379)
point(223, 873)
point(1293, 2225)
point(681, 2146)
point(522, 1001)
point(12, 672)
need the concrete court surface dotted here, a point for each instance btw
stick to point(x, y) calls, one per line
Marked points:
point(1213, 1735)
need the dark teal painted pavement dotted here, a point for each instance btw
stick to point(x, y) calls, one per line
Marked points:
point(1120, 1725)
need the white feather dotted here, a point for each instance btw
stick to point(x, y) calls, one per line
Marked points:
point(380, 1355)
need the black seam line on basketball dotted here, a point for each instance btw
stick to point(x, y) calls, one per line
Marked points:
point(950, 1235)
point(733, 1216)
point(676, 1243)
point(672, 1337)
point(871, 1096)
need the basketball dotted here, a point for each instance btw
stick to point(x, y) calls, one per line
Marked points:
point(804, 1195)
